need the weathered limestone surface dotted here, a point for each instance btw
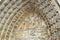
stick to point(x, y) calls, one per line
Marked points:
point(29, 20)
